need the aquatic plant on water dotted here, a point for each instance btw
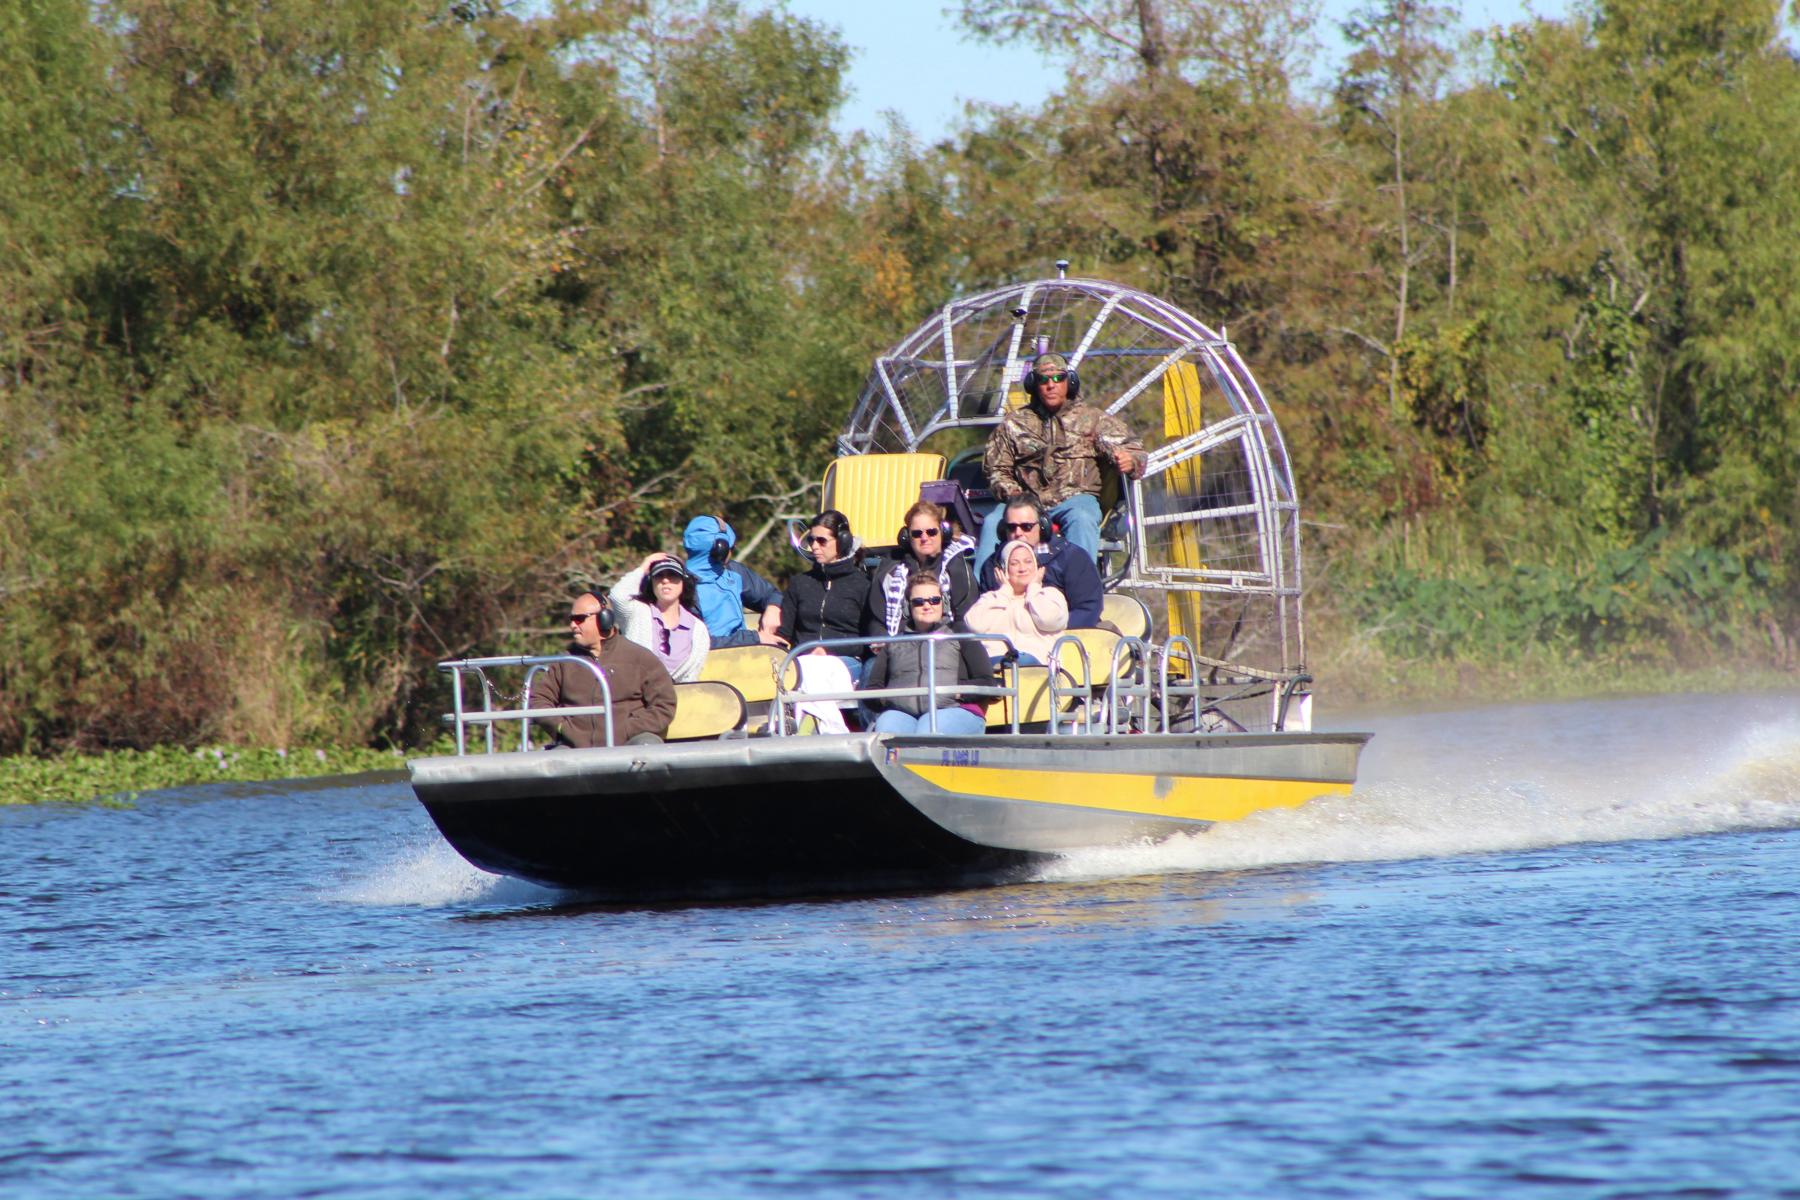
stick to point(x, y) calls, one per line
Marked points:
point(118, 776)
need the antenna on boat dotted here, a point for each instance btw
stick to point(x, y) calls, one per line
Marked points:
point(1062, 268)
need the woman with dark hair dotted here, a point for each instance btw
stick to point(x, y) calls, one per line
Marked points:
point(903, 664)
point(827, 599)
point(927, 543)
point(656, 609)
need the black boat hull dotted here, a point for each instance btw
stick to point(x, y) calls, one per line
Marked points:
point(867, 812)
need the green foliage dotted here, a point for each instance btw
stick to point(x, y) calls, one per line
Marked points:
point(374, 331)
point(1606, 400)
point(337, 340)
point(1650, 599)
point(1665, 137)
point(1443, 386)
point(119, 776)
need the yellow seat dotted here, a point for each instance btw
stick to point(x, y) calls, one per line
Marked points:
point(1034, 697)
point(874, 491)
point(748, 669)
point(705, 709)
point(1099, 645)
point(1034, 682)
point(1126, 613)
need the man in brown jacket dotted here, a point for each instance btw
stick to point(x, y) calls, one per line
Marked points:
point(1054, 447)
point(643, 695)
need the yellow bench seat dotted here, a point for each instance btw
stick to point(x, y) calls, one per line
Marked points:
point(749, 669)
point(1126, 613)
point(706, 709)
point(1034, 682)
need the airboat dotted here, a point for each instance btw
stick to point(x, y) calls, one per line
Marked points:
point(1192, 704)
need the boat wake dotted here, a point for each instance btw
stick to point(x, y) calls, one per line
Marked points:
point(1433, 785)
point(1451, 784)
point(432, 875)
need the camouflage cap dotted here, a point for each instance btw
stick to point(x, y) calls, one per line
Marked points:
point(1046, 363)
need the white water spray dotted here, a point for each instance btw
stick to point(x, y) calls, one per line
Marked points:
point(430, 875)
point(1473, 781)
point(1517, 778)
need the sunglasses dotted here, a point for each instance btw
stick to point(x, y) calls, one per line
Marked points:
point(932, 532)
point(1019, 526)
point(821, 540)
point(582, 618)
point(1059, 377)
point(925, 601)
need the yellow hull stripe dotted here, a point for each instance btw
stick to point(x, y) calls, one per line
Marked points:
point(1196, 799)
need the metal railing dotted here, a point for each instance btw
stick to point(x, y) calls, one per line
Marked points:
point(1135, 696)
point(1190, 689)
point(460, 717)
point(1142, 682)
point(786, 696)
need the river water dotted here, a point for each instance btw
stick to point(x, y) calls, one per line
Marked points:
point(1544, 950)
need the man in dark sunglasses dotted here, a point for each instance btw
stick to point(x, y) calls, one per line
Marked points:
point(643, 695)
point(1058, 448)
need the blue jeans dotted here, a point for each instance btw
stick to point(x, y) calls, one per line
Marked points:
point(957, 720)
point(1080, 519)
point(858, 667)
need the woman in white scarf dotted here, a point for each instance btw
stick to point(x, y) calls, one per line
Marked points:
point(1022, 608)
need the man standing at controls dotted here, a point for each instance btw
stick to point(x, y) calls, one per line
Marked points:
point(1054, 446)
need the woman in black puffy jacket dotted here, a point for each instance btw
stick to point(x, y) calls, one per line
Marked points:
point(827, 600)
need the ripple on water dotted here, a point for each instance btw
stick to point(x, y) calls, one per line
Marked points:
point(1506, 964)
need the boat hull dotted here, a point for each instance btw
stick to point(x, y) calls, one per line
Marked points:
point(861, 812)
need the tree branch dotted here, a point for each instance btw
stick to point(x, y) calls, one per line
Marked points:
point(749, 546)
point(637, 493)
point(1365, 339)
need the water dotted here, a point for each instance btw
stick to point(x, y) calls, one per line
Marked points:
point(1548, 950)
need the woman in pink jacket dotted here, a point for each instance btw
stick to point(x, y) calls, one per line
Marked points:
point(1022, 608)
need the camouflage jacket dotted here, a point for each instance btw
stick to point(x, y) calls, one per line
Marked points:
point(1055, 456)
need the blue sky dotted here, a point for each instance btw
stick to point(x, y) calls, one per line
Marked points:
point(910, 57)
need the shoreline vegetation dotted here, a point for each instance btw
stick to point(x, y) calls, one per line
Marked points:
point(1366, 684)
point(316, 371)
point(117, 778)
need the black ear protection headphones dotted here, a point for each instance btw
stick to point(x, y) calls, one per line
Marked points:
point(1031, 382)
point(720, 547)
point(606, 620)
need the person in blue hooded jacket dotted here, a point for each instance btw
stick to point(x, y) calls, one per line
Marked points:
point(724, 589)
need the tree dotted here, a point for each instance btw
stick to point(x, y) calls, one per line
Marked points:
point(1675, 124)
point(1389, 88)
point(318, 379)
